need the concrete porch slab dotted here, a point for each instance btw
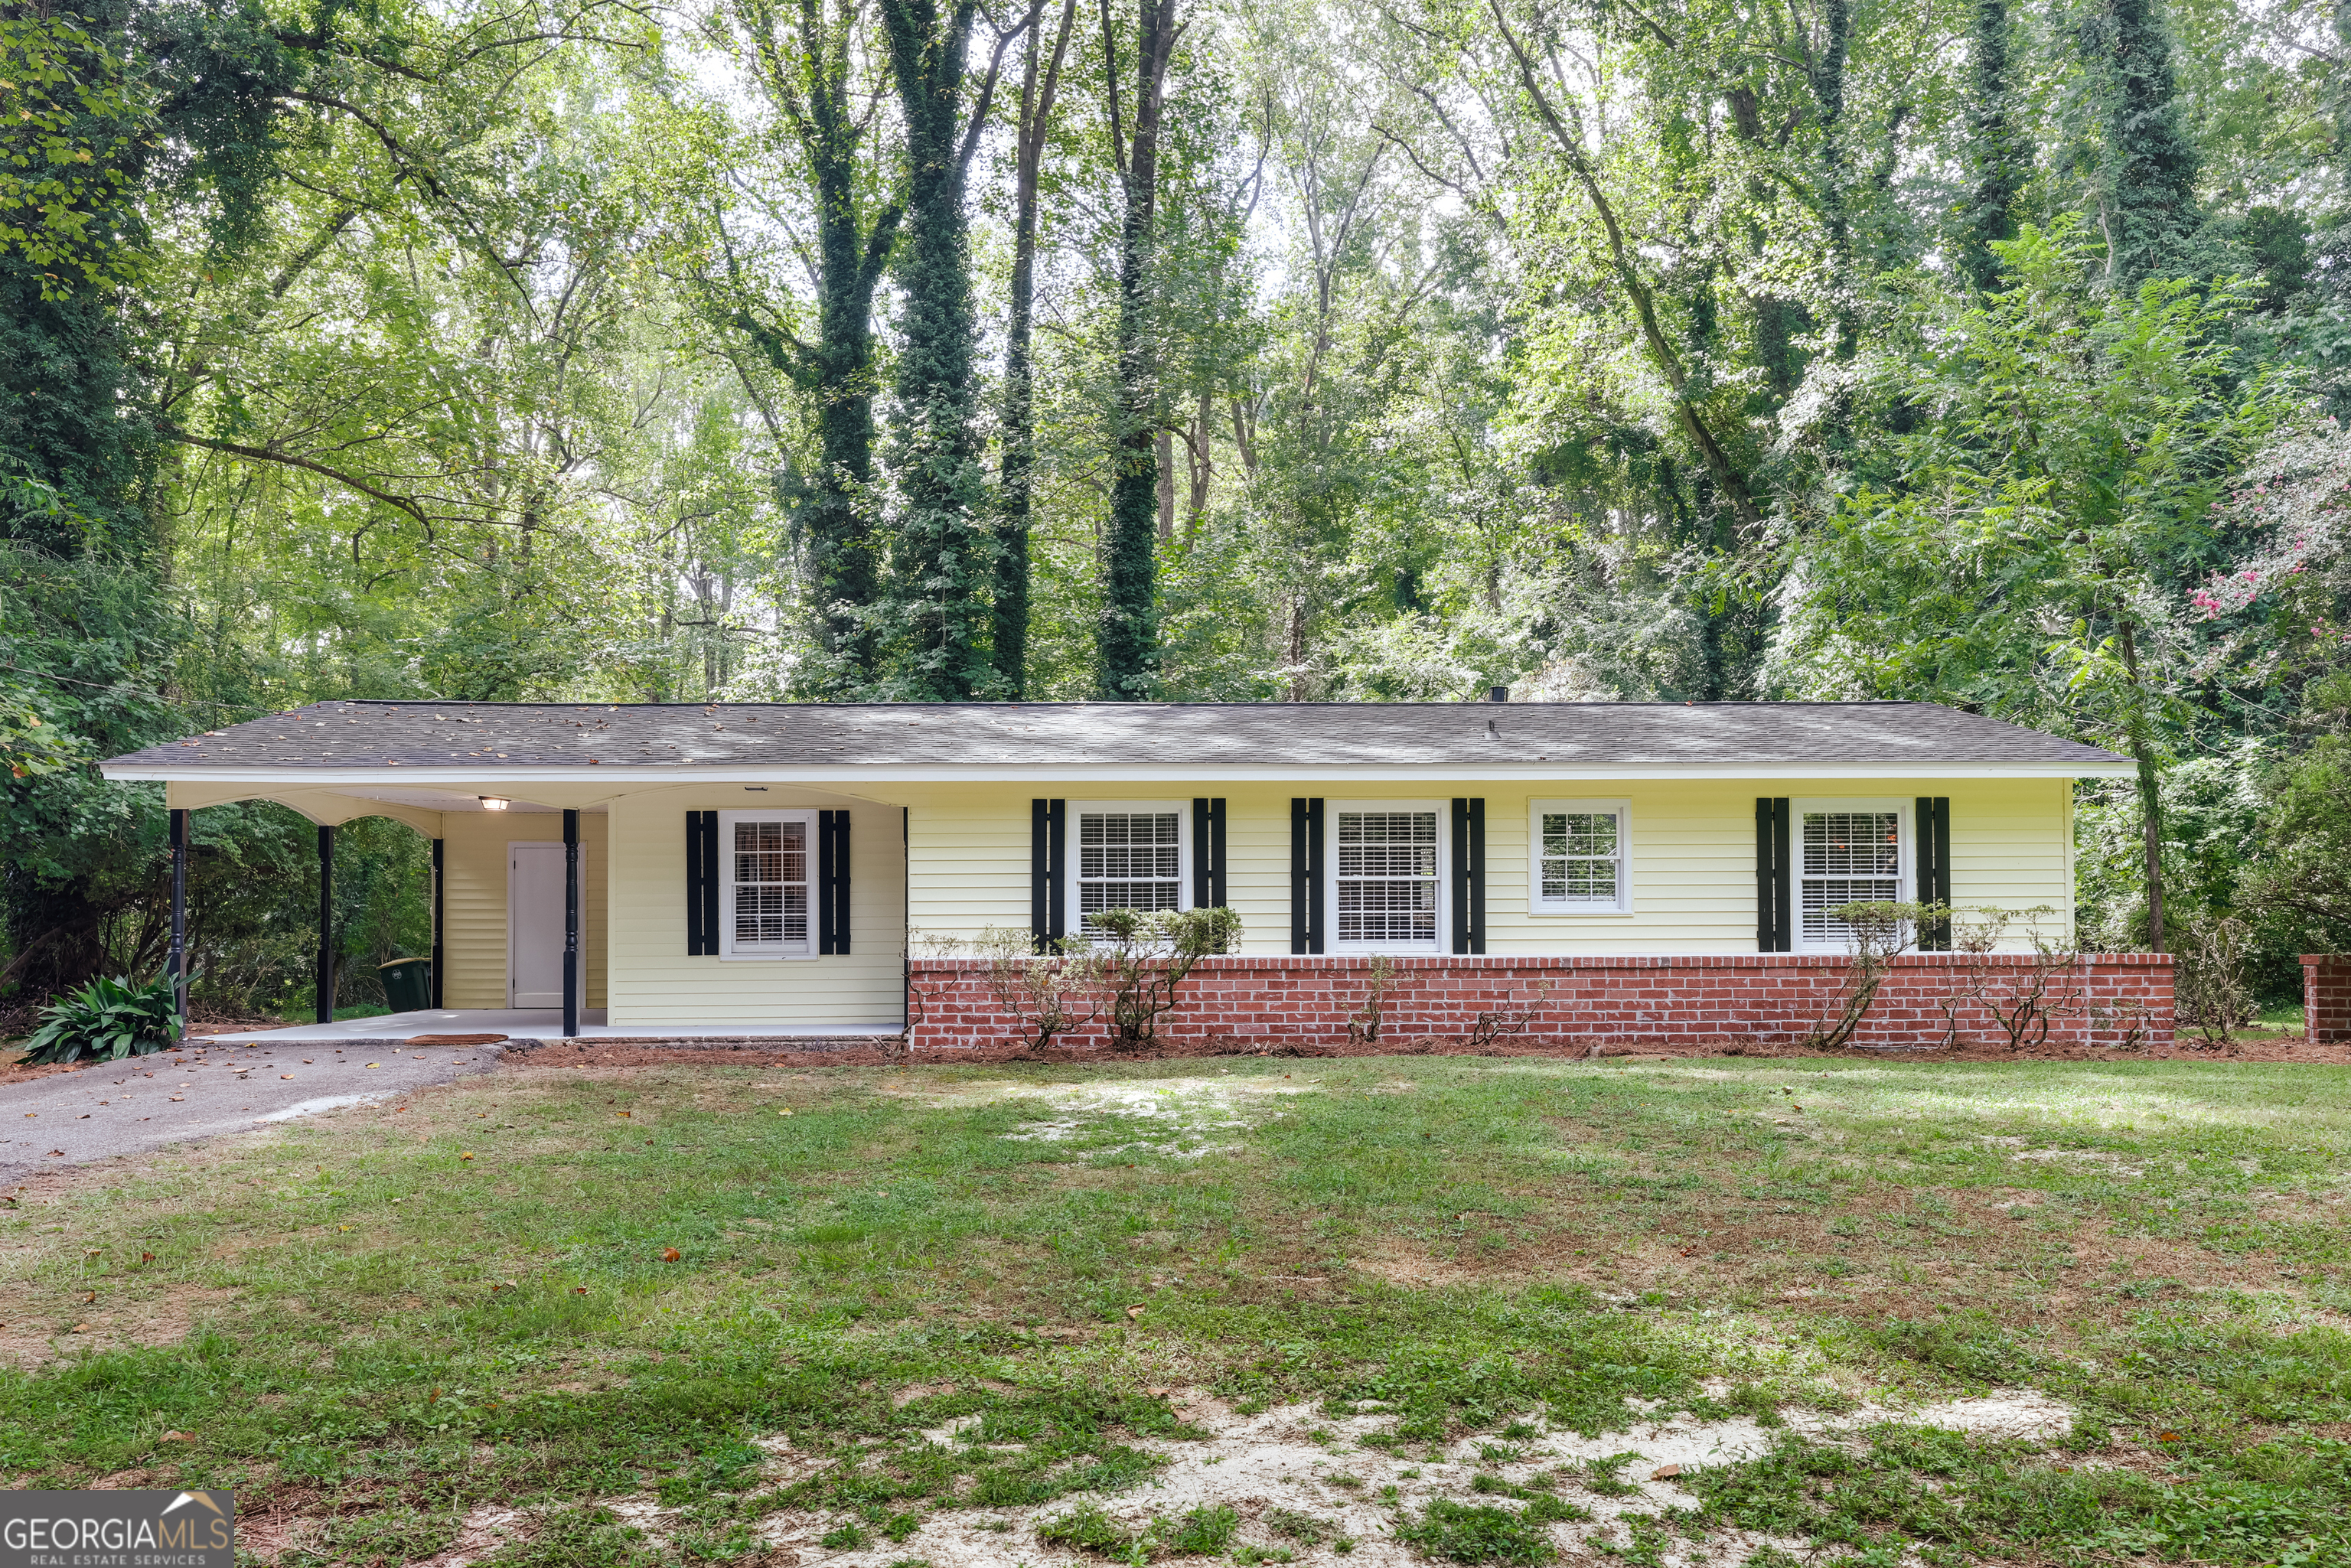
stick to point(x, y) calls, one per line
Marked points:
point(539, 1024)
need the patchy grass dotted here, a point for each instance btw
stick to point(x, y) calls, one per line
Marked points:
point(654, 1315)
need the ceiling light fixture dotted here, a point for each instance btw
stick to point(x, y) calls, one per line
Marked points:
point(494, 803)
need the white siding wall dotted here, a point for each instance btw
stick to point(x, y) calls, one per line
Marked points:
point(474, 937)
point(655, 981)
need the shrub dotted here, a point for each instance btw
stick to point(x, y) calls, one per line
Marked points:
point(1043, 992)
point(106, 1021)
point(1140, 957)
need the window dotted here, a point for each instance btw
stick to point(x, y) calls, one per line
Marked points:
point(1387, 876)
point(1131, 854)
point(766, 862)
point(1849, 852)
point(1578, 861)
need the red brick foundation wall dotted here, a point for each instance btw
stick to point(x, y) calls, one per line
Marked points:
point(2108, 999)
point(2326, 998)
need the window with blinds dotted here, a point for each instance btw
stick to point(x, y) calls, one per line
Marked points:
point(1847, 857)
point(1579, 857)
point(1128, 859)
point(766, 892)
point(1384, 878)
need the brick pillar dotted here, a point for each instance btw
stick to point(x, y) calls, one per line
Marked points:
point(2326, 998)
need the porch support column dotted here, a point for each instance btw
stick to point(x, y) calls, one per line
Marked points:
point(570, 922)
point(178, 962)
point(326, 999)
point(440, 908)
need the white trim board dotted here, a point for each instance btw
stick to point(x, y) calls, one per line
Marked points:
point(616, 781)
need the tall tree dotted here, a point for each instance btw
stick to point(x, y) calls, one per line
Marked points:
point(1126, 642)
point(2146, 196)
point(808, 67)
point(944, 555)
point(1998, 157)
point(1039, 82)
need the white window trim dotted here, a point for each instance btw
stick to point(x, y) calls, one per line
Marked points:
point(1072, 850)
point(726, 821)
point(1443, 943)
point(1907, 871)
point(1622, 903)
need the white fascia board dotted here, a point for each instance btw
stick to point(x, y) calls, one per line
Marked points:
point(519, 780)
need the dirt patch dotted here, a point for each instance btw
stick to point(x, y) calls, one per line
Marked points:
point(1331, 1489)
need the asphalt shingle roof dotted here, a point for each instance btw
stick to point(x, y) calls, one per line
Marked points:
point(518, 736)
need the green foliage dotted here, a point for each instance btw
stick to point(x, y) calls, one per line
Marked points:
point(106, 1021)
point(1136, 958)
point(1479, 1533)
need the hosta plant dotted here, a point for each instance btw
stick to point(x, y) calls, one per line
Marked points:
point(105, 1020)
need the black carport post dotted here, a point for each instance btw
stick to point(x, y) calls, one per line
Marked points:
point(179, 961)
point(570, 924)
point(326, 1009)
point(440, 906)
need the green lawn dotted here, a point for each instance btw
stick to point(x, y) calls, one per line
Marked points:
point(372, 1325)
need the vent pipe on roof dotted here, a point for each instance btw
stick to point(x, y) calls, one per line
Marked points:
point(1498, 693)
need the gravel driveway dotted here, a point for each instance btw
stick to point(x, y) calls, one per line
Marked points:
point(204, 1090)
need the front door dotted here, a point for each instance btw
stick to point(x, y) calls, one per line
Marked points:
point(534, 925)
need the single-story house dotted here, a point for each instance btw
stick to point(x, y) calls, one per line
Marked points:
point(660, 870)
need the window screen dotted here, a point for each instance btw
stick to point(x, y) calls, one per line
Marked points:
point(1386, 878)
point(769, 872)
point(1129, 860)
point(1850, 857)
point(1581, 858)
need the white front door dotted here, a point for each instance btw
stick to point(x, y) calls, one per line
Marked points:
point(534, 925)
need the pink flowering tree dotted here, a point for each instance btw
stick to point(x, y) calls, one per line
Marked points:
point(2289, 516)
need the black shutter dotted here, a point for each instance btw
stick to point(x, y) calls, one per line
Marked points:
point(832, 881)
point(1207, 853)
point(1774, 929)
point(1305, 875)
point(1934, 829)
point(1048, 837)
point(702, 883)
point(1468, 875)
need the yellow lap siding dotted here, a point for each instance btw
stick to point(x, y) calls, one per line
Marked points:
point(474, 932)
point(656, 982)
point(1691, 856)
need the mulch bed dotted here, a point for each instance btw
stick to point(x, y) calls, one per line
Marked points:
point(606, 1054)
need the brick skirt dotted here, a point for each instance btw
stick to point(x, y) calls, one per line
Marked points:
point(1926, 1000)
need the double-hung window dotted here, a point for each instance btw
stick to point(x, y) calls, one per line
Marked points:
point(1578, 863)
point(1131, 855)
point(767, 865)
point(1847, 852)
point(1387, 876)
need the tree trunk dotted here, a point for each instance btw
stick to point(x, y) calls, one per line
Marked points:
point(1011, 596)
point(944, 567)
point(1998, 157)
point(2149, 198)
point(1126, 642)
point(806, 70)
point(2150, 801)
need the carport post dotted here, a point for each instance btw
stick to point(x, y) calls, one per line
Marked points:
point(439, 905)
point(570, 922)
point(326, 1009)
point(179, 960)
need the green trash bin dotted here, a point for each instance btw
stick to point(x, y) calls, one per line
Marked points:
point(407, 984)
